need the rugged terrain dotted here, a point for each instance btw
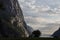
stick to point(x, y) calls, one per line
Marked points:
point(12, 22)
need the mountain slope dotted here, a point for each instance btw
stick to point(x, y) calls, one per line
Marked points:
point(12, 22)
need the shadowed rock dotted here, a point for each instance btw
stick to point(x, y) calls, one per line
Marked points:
point(56, 34)
point(12, 22)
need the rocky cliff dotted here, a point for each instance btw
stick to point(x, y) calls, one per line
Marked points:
point(12, 22)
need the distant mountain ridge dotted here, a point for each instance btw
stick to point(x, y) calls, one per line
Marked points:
point(56, 33)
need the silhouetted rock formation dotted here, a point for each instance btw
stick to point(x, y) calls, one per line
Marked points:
point(56, 34)
point(12, 22)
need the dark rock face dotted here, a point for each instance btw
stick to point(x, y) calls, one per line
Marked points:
point(12, 22)
point(56, 34)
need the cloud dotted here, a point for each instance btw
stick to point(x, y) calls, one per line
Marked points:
point(39, 13)
point(50, 29)
point(41, 20)
point(30, 4)
point(46, 26)
point(21, 0)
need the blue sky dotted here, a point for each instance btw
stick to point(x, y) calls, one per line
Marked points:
point(42, 14)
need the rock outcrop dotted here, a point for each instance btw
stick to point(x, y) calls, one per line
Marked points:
point(56, 34)
point(12, 22)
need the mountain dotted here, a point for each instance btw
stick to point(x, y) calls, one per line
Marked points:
point(56, 33)
point(12, 22)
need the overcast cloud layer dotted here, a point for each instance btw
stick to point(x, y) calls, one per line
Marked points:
point(42, 14)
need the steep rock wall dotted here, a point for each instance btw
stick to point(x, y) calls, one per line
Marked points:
point(12, 22)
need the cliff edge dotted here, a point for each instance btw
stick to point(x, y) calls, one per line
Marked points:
point(12, 22)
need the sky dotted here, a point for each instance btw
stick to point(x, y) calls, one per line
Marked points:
point(42, 14)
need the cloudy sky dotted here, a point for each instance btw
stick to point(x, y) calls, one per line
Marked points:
point(42, 14)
